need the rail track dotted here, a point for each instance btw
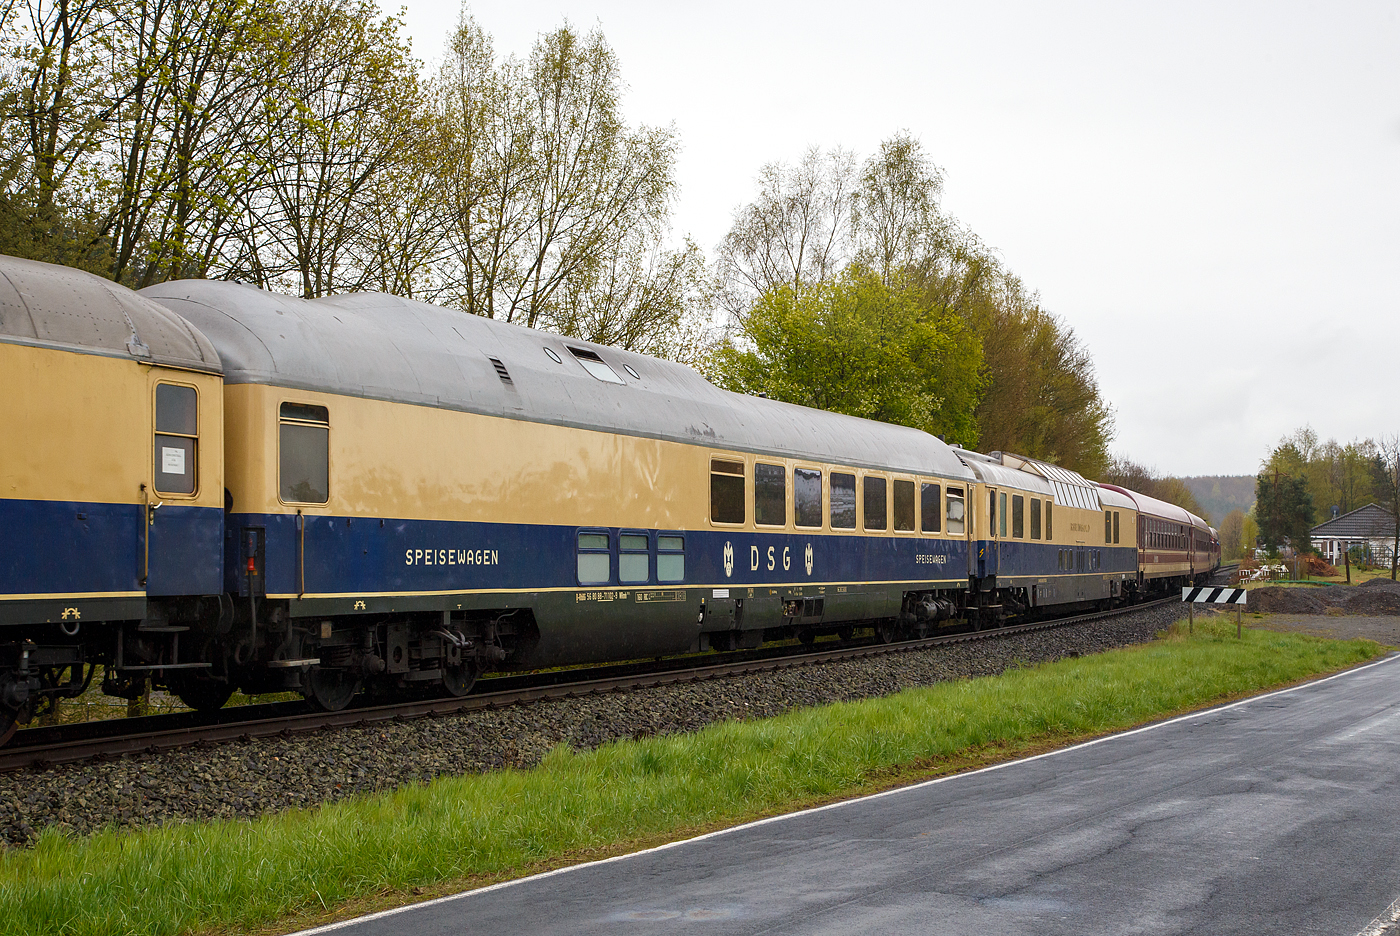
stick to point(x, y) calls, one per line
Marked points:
point(41, 747)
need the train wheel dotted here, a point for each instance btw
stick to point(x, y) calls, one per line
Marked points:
point(201, 693)
point(9, 724)
point(332, 689)
point(887, 630)
point(807, 636)
point(458, 680)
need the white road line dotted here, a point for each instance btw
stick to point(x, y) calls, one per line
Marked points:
point(1369, 931)
point(1385, 922)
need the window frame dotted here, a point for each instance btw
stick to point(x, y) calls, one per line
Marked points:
point(1035, 518)
point(295, 421)
point(782, 468)
point(662, 551)
point(581, 550)
point(831, 477)
point(157, 432)
point(948, 498)
point(863, 508)
point(924, 487)
point(821, 497)
point(1018, 516)
point(624, 550)
point(743, 478)
point(913, 492)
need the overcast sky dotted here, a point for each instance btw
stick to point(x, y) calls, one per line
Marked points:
point(1206, 192)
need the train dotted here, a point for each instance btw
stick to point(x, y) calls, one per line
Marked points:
point(209, 487)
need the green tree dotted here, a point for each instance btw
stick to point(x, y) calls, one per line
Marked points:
point(1283, 506)
point(810, 222)
point(855, 345)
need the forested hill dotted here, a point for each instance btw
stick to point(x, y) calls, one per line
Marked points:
point(1220, 494)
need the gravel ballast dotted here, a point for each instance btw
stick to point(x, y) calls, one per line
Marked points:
point(247, 779)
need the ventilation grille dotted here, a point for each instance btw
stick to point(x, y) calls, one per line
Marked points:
point(501, 371)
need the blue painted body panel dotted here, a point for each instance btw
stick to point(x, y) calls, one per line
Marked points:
point(369, 556)
point(1012, 558)
point(66, 547)
point(186, 551)
point(74, 548)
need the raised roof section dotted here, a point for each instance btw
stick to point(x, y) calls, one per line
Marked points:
point(1070, 487)
point(387, 347)
point(53, 306)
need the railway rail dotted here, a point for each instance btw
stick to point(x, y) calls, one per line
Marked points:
point(40, 747)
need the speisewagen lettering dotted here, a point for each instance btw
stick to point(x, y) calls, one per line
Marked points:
point(451, 557)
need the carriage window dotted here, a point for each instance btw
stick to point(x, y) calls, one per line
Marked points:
point(1115, 527)
point(1035, 518)
point(904, 505)
point(876, 510)
point(176, 438)
point(594, 560)
point(1018, 516)
point(670, 558)
point(843, 501)
point(930, 510)
point(1108, 526)
point(726, 491)
point(304, 441)
point(1001, 515)
point(1049, 523)
point(807, 496)
point(955, 510)
point(633, 558)
point(770, 495)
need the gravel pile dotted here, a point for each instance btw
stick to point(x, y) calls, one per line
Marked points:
point(251, 778)
point(1375, 596)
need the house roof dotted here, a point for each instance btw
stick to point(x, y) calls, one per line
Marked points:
point(1362, 523)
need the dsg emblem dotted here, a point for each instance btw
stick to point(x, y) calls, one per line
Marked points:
point(729, 559)
point(809, 558)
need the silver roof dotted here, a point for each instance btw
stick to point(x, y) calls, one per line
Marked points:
point(1153, 507)
point(387, 347)
point(54, 306)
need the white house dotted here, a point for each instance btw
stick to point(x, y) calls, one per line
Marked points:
point(1372, 527)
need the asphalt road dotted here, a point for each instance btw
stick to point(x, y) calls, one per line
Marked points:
point(1278, 815)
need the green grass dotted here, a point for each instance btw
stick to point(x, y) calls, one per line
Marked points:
point(301, 866)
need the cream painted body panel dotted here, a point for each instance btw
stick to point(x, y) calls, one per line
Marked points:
point(80, 427)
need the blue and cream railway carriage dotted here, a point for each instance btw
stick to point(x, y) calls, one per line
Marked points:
point(211, 486)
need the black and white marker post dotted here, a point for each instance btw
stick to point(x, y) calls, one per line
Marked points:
point(1209, 594)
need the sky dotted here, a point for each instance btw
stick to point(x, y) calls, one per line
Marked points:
point(1207, 193)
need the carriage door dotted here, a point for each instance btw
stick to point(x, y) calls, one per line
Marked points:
point(181, 542)
point(990, 560)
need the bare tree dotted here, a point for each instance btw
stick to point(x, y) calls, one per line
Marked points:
point(1388, 469)
point(546, 186)
point(53, 105)
point(346, 112)
point(895, 212)
point(796, 230)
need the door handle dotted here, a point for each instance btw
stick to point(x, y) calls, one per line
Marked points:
point(151, 512)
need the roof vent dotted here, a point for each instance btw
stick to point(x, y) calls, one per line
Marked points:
point(501, 371)
point(595, 365)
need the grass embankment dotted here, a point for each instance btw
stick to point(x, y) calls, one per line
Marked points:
point(301, 866)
